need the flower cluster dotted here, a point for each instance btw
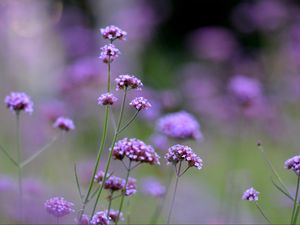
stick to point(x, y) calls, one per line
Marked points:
point(112, 33)
point(113, 215)
point(109, 53)
point(177, 153)
point(135, 150)
point(293, 164)
point(58, 206)
point(179, 125)
point(114, 183)
point(19, 101)
point(64, 123)
point(130, 187)
point(100, 218)
point(107, 99)
point(128, 81)
point(140, 103)
point(250, 195)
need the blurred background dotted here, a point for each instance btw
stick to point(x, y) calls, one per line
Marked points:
point(234, 65)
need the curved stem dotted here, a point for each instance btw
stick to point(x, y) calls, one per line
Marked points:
point(262, 213)
point(124, 191)
point(295, 200)
point(129, 122)
point(8, 156)
point(173, 199)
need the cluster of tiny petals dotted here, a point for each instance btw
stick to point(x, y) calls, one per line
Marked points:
point(128, 81)
point(135, 150)
point(112, 33)
point(19, 101)
point(250, 195)
point(100, 218)
point(114, 215)
point(293, 164)
point(140, 103)
point(109, 53)
point(114, 183)
point(99, 176)
point(130, 187)
point(179, 125)
point(64, 123)
point(177, 153)
point(58, 206)
point(107, 99)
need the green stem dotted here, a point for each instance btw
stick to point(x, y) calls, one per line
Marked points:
point(295, 200)
point(129, 122)
point(297, 213)
point(19, 159)
point(8, 156)
point(173, 198)
point(262, 213)
point(123, 194)
point(111, 150)
point(109, 202)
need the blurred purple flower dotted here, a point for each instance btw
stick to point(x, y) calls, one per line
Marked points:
point(152, 187)
point(160, 141)
point(130, 187)
point(293, 164)
point(140, 103)
point(112, 33)
point(64, 123)
point(250, 195)
point(84, 220)
point(107, 99)
point(128, 81)
point(109, 53)
point(113, 215)
point(19, 101)
point(58, 206)
point(100, 218)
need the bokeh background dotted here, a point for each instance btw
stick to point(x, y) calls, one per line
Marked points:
point(186, 53)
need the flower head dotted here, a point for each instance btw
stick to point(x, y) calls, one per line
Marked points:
point(179, 125)
point(99, 176)
point(64, 123)
point(250, 195)
point(19, 101)
point(112, 33)
point(100, 218)
point(58, 206)
point(114, 183)
point(135, 150)
point(113, 215)
point(128, 81)
point(177, 153)
point(107, 99)
point(140, 103)
point(109, 53)
point(153, 187)
point(130, 187)
point(293, 164)
point(84, 220)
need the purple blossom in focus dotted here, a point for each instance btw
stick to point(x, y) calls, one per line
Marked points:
point(178, 153)
point(100, 218)
point(112, 33)
point(179, 125)
point(140, 103)
point(293, 164)
point(64, 123)
point(130, 187)
point(250, 195)
point(109, 53)
point(107, 99)
point(153, 187)
point(19, 101)
point(58, 206)
point(114, 183)
point(128, 81)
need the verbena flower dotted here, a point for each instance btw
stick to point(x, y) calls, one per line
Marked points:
point(112, 33)
point(140, 103)
point(250, 195)
point(153, 187)
point(293, 164)
point(109, 53)
point(64, 123)
point(58, 206)
point(19, 101)
point(107, 99)
point(114, 183)
point(130, 187)
point(135, 150)
point(128, 81)
point(99, 176)
point(113, 215)
point(100, 218)
point(84, 220)
point(179, 125)
point(177, 153)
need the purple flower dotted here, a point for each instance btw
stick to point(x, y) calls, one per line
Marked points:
point(135, 150)
point(140, 103)
point(99, 176)
point(64, 123)
point(19, 101)
point(114, 183)
point(112, 33)
point(109, 53)
point(84, 220)
point(179, 125)
point(107, 99)
point(128, 81)
point(178, 153)
point(153, 187)
point(130, 187)
point(245, 89)
point(250, 195)
point(100, 218)
point(113, 215)
point(58, 206)
point(293, 164)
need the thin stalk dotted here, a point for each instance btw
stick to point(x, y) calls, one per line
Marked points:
point(297, 213)
point(157, 212)
point(19, 159)
point(129, 122)
point(173, 199)
point(262, 213)
point(111, 150)
point(184, 171)
point(8, 156)
point(110, 199)
point(295, 200)
point(123, 194)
